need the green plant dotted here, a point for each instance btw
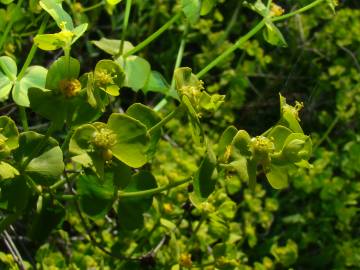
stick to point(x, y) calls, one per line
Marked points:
point(110, 163)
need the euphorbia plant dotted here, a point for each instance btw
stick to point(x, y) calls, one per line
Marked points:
point(104, 162)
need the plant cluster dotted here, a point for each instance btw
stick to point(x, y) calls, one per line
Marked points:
point(99, 166)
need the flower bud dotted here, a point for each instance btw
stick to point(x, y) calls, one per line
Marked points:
point(185, 260)
point(104, 139)
point(70, 87)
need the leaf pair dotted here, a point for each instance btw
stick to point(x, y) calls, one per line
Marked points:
point(34, 76)
point(125, 136)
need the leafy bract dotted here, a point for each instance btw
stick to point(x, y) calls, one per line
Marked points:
point(112, 46)
point(96, 196)
point(137, 71)
point(130, 210)
point(56, 11)
point(205, 177)
point(191, 9)
point(149, 118)
point(47, 165)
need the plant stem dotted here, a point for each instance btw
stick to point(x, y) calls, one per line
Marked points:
point(179, 57)
point(327, 132)
point(237, 44)
point(165, 120)
point(153, 191)
point(9, 24)
point(298, 11)
point(152, 37)
point(33, 49)
point(32, 184)
point(86, 9)
point(125, 25)
point(23, 118)
point(251, 33)
point(29, 58)
point(57, 184)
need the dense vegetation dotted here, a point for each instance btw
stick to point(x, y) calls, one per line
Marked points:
point(147, 134)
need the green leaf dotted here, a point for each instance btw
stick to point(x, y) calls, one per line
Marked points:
point(130, 210)
point(7, 171)
point(80, 141)
point(156, 83)
point(259, 7)
point(59, 71)
point(273, 35)
point(137, 71)
point(51, 42)
point(211, 102)
point(56, 11)
point(240, 165)
point(49, 164)
point(241, 144)
point(196, 128)
point(297, 147)
point(9, 130)
point(79, 31)
point(8, 72)
point(277, 177)
point(52, 107)
point(227, 209)
point(8, 67)
point(207, 6)
point(35, 76)
point(149, 118)
point(112, 46)
point(278, 134)
point(85, 154)
point(225, 142)
point(50, 217)
point(332, 4)
point(191, 9)
point(205, 178)
point(131, 139)
point(5, 87)
point(96, 197)
point(14, 194)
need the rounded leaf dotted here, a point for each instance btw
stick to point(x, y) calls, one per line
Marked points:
point(132, 140)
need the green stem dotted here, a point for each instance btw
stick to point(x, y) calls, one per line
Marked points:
point(237, 44)
point(298, 11)
point(33, 50)
point(66, 197)
point(9, 24)
point(327, 132)
point(178, 61)
point(57, 184)
point(165, 120)
point(23, 118)
point(125, 25)
point(251, 33)
point(32, 184)
point(66, 141)
point(86, 9)
point(153, 191)
point(155, 35)
point(29, 58)
point(67, 59)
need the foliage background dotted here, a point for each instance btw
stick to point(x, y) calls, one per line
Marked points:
point(313, 224)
